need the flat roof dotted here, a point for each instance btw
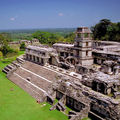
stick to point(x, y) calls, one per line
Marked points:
point(39, 48)
point(64, 45)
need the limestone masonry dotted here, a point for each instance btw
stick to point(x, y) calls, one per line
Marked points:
point(85, 76)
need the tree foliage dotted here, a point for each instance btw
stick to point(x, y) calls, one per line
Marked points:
point(22, 46)
point(2, 40)
point(1, 55)
point(4, 48)
point(51, 38)
point(7, 36)
point(106, 30)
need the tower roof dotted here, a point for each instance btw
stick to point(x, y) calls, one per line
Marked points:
point(83, 30)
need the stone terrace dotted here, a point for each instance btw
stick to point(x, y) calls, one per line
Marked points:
point(39, 70)
point(40, 79)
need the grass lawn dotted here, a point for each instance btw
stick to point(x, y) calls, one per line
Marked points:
point(18, 105)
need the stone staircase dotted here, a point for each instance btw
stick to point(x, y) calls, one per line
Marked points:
point(30, 89)
point(39, 70)
point(14, 65)
point(8, 68)
point(39, 82)
point(35, 79)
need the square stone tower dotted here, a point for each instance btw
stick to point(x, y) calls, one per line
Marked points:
point(83, 46)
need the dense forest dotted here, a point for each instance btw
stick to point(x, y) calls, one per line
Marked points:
point(106, 30)
point(27, 33)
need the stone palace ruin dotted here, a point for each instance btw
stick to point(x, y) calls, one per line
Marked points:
point(85, 76)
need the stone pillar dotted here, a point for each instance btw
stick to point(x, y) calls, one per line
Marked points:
point(98, 88)
point(99, 61)
point(25, 56)
point(76, 35)
point(32, 58)
point(64, 55)
point(116, 70)
point(45, 61)
point(28, 57)
point(108, 91)
point(39, 60)
point(105, 91)
point(35, 59)
point(109, 69)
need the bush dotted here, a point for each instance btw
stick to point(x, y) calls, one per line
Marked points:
point(1, 55)
point(17, 50)
point(22, 46)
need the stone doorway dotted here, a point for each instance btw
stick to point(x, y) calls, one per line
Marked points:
point(42, 61)
point(94, 85)
point(38, 59)
point(59, 95)
point(30, 57)
point(101, 87)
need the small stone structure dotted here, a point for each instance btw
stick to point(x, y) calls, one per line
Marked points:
point(27, 42)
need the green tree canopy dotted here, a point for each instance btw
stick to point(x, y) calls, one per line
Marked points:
point(7, 36)
point(106, 30)
point(100, 29)
point(51, 38)
point(22, 46)
point(45, 37)
point(2, 40)
point(1, 55)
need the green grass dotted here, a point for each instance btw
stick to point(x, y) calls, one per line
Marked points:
point(10, 59)
point(18, 105)
point(21, 52)
point(67, 110)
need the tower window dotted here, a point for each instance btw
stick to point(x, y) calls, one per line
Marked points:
point(86, 53)
point(79, 35)
point(77, 52)
point(86, 35)
point(86, 43)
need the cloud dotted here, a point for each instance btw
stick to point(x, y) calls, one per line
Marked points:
point(12, 18)
point(61, 14)
point(16, 16)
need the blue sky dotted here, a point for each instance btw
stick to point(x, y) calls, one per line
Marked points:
point(24, 14)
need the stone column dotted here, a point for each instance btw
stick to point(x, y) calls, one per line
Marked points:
point(99, 61)
point(109, 69)
point(28, 57)
point(25, 56)
point(116, 70)
point(76, 35)
point(45, 61)
point(32, 58)
point(39, 60)
point(35, 59)
point(97, 87)
point(64, 55)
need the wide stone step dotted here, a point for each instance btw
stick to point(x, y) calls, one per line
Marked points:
point(26, 86)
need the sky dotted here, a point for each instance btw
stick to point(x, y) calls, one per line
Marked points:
point(30, 14)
